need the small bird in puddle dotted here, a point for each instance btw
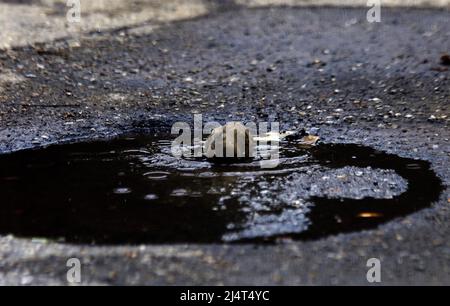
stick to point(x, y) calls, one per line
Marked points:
point(233, 140)
point(236, 141)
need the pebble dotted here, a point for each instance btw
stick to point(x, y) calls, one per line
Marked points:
point(359, 173)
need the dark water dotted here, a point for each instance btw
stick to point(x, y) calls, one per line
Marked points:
point(131, 191)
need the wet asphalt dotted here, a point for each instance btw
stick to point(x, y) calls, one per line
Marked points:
point(384, 85)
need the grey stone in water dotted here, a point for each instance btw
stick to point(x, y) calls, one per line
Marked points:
point(231, 141)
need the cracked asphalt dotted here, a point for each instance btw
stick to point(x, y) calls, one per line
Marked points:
point(148, 64)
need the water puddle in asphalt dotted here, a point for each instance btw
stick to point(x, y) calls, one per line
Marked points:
point(130, 190)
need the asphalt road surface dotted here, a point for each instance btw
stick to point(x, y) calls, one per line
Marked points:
point(149, 64)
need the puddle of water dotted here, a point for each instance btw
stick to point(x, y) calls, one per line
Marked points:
point(131, 190)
